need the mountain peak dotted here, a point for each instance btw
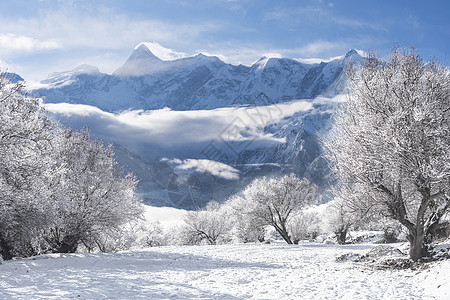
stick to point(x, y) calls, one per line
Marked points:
point(141, 62)
point(142, 52)
point(86, 69)
point(352, 53)
point(353, 57)
point(206, 58)
point(266, 62)
point(13, 77)
point(160, 52)
point(81, 69)
point(260, 63)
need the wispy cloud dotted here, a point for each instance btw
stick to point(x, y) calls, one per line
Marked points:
point(4, 65)
point(316, 60)
point(67, 35)
point(205, 165)
point(14, 42)
point(320, 13)
point(289, 15)
point(320, 47)
point(163, 52)
point(77, 26)
point(180, 134)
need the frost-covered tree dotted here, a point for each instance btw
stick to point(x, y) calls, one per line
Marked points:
point(339, 219)
point(25, 169)
point(304, 225)
point(57, 188)
point(273, 201)
point(391, 141)
point(211, 224)
point(245, 229)
point(92, 196)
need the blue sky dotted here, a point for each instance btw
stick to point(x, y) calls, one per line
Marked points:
point(39, 37)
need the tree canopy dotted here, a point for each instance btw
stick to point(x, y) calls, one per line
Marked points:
point(391, 141)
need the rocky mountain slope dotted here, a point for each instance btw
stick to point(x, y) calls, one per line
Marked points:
point(173, 172)
point(199, 82)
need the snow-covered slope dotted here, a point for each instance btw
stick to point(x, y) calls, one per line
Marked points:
point(246, 271)
point(223, 119)
point(184, 159)
point(145, 81)
point(13, 77)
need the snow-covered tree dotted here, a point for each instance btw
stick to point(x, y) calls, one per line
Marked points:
point(245, 229)
point(211, 224)
point(273, 201)
point(92, 195)
point(25, 168)
point(391, 141)
point(304, 225)
point(339, 219)
point(57, 188)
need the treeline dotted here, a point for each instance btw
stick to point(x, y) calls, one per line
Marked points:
point(58, 189)
point(389, 148)
point(270, 209)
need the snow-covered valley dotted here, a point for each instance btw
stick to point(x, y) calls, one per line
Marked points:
point(178, 124)
point(241, 271)
point(231, 149)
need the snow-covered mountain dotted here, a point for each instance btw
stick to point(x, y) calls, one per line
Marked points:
point(145, 81)
point(184, 159)
point(225, 124)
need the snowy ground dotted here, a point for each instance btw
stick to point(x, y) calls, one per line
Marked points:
point(259, 271)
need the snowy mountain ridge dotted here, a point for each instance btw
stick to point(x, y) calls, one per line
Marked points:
point(183, 82)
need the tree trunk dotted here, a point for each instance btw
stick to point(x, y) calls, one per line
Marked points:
point(287, 238)
point(341, 236)
point(417, 233)
point(285, 235)
point(417, 248)
point(5, 249)
point(69, 244)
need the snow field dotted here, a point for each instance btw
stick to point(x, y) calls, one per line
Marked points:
point(242, 271)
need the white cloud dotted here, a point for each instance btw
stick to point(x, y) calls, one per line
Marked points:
point(362, 53)
point(205, 165)
point(4, 65)
point(163, 52)
point(315, 60)
point(182, 134)
point(319, 47)
point(84, 34)
point(320, 13)
point(68, 27)
point(273, 55)
point(14, 42)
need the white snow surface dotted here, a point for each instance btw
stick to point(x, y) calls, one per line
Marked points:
point(242, 271)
